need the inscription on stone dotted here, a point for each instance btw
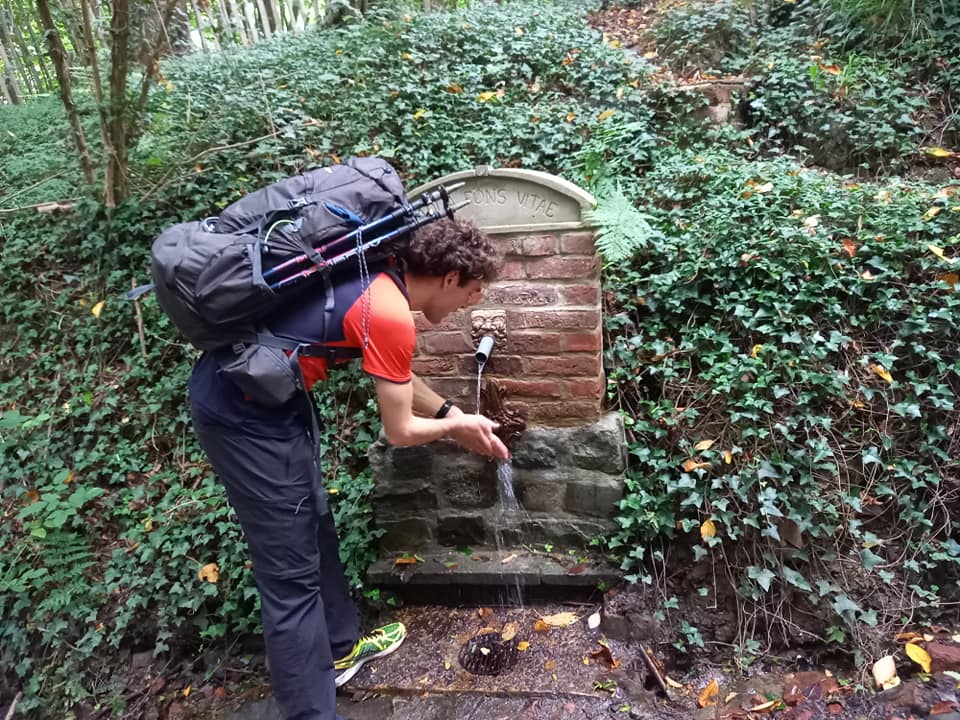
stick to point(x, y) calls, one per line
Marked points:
point(535, 204)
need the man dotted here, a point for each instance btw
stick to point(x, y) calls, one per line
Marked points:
point(267, 457)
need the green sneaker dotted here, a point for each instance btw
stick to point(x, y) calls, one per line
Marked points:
point(379, 643)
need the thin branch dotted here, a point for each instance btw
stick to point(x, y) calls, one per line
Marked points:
point(199, 155)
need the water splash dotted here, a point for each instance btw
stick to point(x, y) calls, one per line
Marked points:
point(508, 498)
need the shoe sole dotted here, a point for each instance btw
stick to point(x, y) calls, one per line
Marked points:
point(346, 676)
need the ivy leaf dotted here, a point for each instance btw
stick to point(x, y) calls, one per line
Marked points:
point(763, 576)
point(870, 559)
point(796, 579)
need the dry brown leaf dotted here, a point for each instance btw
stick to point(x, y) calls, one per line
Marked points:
point(510, 631)
point(709, 695)
point(550, 665)
point(691, 465)
point(881, 372)
point(703, 445)
point(849, 247)
point(560, 619)
point(209, 572)
point(605, 656)
point(708, 529)
point(485, 614)
point(540, 626)
point(523, 645)
point(920, 656)
point(406, 560)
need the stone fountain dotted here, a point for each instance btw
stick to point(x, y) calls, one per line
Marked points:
point(544, 382)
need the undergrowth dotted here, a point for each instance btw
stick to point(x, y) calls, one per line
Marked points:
point(780, 336)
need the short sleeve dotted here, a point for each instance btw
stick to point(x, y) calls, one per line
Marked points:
point(382, 314)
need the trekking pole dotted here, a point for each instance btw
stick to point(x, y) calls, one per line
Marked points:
point(428, 198)
point(329, 263)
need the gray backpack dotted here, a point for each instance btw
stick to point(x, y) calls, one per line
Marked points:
point(217, 279)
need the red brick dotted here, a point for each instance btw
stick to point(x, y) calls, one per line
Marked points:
point(562, 267)
point(508, 245)
point(529, 295)
point(540, 245)
point(580, 294)
point(441, 343)
point(586, 320)
point(563, 414)
point(459, 320)
point(564, 366)
point(431, 366)
point(534, 389)
point(497, 365)
point(587, 387)
point(584, 342)
point(577, 244)
point(460, 390)
point(511, 270)
point(535, 342)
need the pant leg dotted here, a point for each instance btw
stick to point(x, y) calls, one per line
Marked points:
point(270, 482)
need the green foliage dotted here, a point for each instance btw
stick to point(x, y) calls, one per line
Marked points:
point(622, 230)
point(764, 320)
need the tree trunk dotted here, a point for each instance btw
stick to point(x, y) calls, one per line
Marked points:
point(7, 51)
point(59, 57)
point(119, 64)
point(199, 18)
point(74, 28)
point(264, 20)
point(109, 153)
point(226, 26)
point(26, 60)
point(23, 19)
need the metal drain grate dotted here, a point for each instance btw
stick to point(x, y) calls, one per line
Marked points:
point(488, 654)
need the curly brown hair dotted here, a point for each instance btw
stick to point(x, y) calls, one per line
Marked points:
point(452, 245)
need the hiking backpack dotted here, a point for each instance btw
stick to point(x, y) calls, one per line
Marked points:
point(217, 279)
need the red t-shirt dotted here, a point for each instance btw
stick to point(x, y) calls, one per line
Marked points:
point(381, 315)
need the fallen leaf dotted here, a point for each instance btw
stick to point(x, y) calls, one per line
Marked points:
point(932, 212)
point(708, 529)
point(703, 445)
point(709, 695)
point(540, 626)
point(765, 188)
point(510, 631)
point(486, 96)
point(691, 465)
point(186, 690)
point(882, 372)
point(419, 113)
point(830, 69)
point(605, 656)
point(812, 221)
point(571, 116)
point(406, 560)
point(849, 247)
point(908, 636)
point(454, 88)
point(835, 708)
point(755, 350)
point(606, 115)
point(485, 614)
point(920, 656)
point(672, 683)
point(560, 619)
point(593, 622)
point(209, 572)
point(484, 651)
point(727, 457)
point(578, 569)
point(885, 673)
point(508, 559)
point(938, 152)
point(97, 309)
point(938, 251)
point(550, 665)
point(522, 645)
point(764, 707)
point(950, 279)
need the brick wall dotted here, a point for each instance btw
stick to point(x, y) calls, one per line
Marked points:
point(544, 311)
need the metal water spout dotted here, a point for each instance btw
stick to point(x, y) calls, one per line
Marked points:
point(484, 350)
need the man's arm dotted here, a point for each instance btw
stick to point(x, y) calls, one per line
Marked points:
point(426, 402)
point(402, 427)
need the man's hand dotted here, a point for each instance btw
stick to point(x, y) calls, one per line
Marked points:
point(475, 433)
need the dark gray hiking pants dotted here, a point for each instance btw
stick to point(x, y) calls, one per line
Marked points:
point(274, 484)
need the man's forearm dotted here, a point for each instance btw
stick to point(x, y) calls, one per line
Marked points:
point(426, 402)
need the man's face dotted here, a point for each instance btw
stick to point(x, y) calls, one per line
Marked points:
point(453, 296)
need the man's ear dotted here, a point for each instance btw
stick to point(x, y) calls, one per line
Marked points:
point(451, 279)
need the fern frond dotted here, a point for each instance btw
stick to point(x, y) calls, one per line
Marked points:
point(622, 229)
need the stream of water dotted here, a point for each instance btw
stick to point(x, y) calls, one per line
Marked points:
point(507, 530)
